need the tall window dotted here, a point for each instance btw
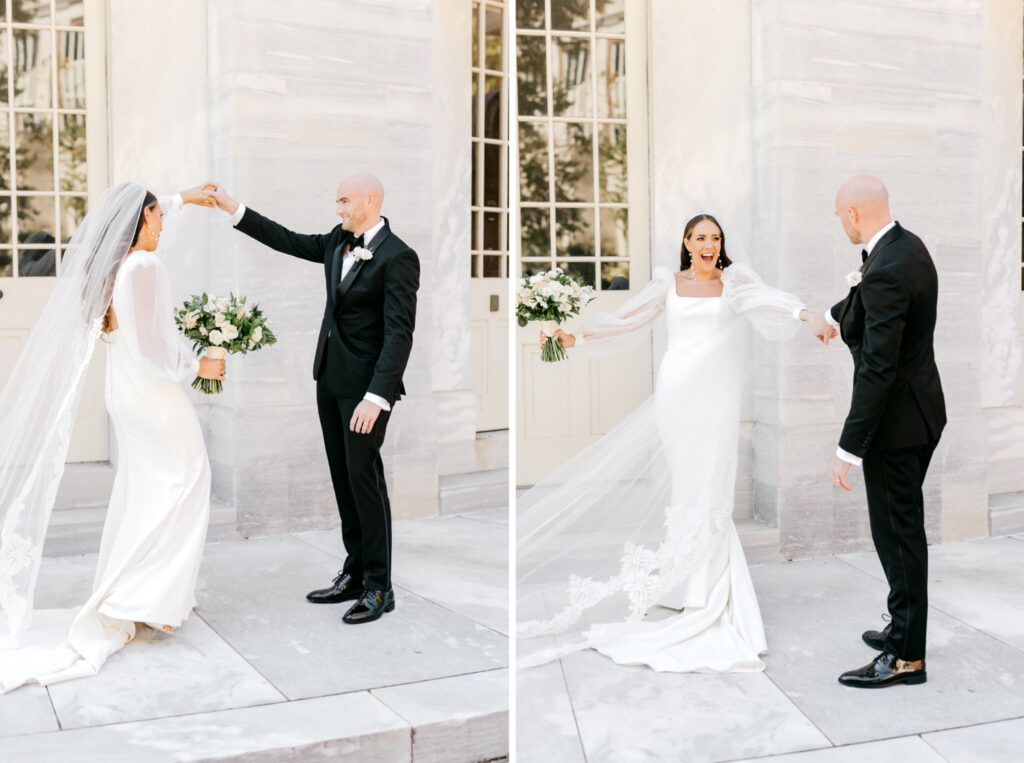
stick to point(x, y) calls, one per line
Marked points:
point(490, 143)
point(42, 132)
point(572, 139)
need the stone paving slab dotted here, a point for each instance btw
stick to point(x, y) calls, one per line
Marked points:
point(903, 750)
point(989, 742)
point(545, 725)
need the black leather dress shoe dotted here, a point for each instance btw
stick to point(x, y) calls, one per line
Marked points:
point(886, 670)
point(344, 588)
point(370, 607)
point(877, 639)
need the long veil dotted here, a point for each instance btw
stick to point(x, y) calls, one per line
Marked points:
point(38, 404)
point(611, 532)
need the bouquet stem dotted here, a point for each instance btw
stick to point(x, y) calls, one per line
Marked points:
point(552, 350)
point(210, 386)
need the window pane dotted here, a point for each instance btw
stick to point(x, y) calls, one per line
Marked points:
point(475, 221)
point(6, 263)
point(611, 79)
point(33, 135)
point(575, 232)
point(73, 168)
point(581, 271)
point(476, 35)
point(32, 62)
point(72, 211)
point(492, 231)
point(3, 62)
point(531, 67)
point(36, 219)
point(492, 39)
point(37, 12)
point(5, 153)
point(475, 90)
point(611, 149)
point(5, 221)
point(37, 262)
point(614, 233)
point(493, 184)
point(530, 14)
point(494, 118)
point(614, 276)
point(570, 14)
point(570, 78)
point(492, 265)
point(535, 231)
point(611, 16)
point(474, 161)
point(533, 162)
point(71, 70)
point(574, 161)
point(70, 12)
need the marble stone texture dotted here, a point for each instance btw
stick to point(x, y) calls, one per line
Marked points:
point(26, 711)
point(985, 743)
point(325, 728)
point(888, 751)
point(258, 604)
point(973, 677)
point(639, 714)
point(546, 727)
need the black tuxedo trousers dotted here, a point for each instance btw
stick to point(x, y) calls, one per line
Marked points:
point(893, 481)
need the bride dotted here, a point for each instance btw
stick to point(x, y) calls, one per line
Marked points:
point(643, 517)
point(112, 284)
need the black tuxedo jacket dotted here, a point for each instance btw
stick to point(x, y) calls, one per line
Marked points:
point(366, 332)
point(888, 322)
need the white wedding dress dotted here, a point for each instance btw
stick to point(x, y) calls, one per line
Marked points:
point(157, 520)
point(630, 548)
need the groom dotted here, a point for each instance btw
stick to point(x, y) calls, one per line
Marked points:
point(364, 344)
point(896, 416)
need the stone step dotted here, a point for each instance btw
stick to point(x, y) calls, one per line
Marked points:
point(463, 718)
point(760, 541)
point(489, 451)
point(77, 530)
point(459, 493)
point(1006, 514)
point(85, 485)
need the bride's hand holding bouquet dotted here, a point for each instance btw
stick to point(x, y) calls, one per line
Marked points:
point(551, 298)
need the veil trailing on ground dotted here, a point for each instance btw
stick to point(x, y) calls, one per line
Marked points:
point(618, 527)
point(38, 404)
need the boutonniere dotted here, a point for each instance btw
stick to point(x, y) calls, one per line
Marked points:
point(853, 277)
point(361, 253)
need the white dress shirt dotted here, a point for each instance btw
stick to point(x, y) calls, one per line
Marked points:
point(842, 454)
point(346, 265)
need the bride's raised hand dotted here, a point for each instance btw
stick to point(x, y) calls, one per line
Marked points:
point(211, 368)
point(200, 195)
point(565, 339)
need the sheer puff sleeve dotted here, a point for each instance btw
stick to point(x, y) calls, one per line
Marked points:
point(624, 329)
point(774, 313)
point(142, 301)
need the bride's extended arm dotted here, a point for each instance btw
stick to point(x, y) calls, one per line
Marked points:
point(775, 314)
point(623, 328)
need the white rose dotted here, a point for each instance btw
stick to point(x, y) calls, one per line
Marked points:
point(191, 319)
point(242, 311)
point(230, 332)
point(220, 320)
point(221, 304)
point(853, 278)
point(216, 338)
point(203, 330)
point(257, 335)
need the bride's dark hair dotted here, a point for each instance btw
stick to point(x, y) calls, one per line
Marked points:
point(685, 260)
point(147, 203)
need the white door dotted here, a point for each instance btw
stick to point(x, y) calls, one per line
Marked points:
point(489, 311)
point(51, 65)
point(581, 125)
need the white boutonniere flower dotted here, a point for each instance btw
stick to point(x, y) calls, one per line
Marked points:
point(853, 278)
point(362, 253)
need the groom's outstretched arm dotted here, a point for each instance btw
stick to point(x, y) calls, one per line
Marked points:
point(885, 302)
point(401, 280)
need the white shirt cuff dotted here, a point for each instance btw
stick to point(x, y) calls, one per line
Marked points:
point(797, 311)
point(849, 458)
point(195, 367)
point(236, 218)
point(377, 400)
point(578, 339)
point(832, 322)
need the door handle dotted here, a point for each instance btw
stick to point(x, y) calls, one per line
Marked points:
point(494, 303)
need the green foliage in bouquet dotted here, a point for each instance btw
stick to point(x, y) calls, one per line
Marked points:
point(551, 298)
point(228, 323)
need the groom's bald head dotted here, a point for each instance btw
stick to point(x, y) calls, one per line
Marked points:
point(360, 198)
point(862, 205)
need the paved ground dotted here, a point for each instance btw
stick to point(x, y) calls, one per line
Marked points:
point(971, 709)
point(259, 673)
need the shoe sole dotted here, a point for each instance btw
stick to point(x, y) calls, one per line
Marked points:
point(371, 618)
point(919, 678)
point(346, 597)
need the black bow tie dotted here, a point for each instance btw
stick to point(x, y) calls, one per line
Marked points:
point(863, 255)
point(356, 242)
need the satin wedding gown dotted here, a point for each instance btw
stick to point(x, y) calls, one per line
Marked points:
point(156, 523)
point(630, 548)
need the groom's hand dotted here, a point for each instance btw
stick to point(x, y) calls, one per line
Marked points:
point(200, 195)
point(820, 326)
point(220, 197)
point(837, 471)
point(364, 417)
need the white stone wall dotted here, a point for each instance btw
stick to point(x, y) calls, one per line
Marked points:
point(279, 106)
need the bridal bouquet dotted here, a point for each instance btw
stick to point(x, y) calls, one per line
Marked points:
point(220, 325)
point(551, 298)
